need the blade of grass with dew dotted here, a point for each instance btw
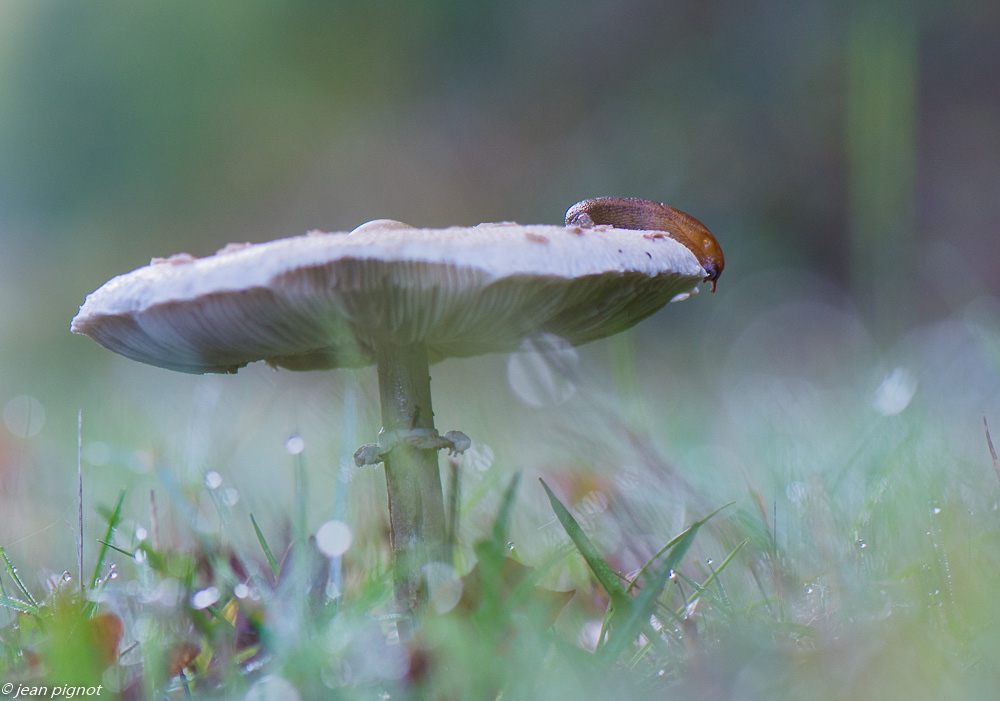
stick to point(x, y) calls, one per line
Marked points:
point(503, 514)
point(15, 604)
point(156, 560)
point(628, 628)
point(642, 570)
point(490, 557)
point(267, 551)
point(606, 576)
point(700, 590)
point(642, 605)
point(715, 576)
point(18, 605)
point(12, 573)
point(3, 592)
point(671, 543)
point(113, 519)
point(490, 551)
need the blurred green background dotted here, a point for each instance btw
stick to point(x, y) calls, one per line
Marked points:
point(845, 154)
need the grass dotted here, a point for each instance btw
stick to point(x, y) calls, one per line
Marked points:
point(800, 545)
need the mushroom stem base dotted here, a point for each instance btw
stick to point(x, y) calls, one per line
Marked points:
point(413, 481)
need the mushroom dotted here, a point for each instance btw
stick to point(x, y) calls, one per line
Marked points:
point(399, 298)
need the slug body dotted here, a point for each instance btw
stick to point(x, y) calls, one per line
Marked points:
point(646, 215)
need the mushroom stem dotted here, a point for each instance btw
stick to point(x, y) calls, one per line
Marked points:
point(416, 506)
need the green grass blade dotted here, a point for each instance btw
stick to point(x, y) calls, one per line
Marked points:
point(637, 618)
point(649, 563)
point(18, 605)
point(112, 524)
point(267, 551)
point(672, 542)
point(642, 605)
point(123, 551)
point(12, 572)
point(716, 572)
point(153, 558)
point(503, 515)
point(606, 576)
point(603, 635)
point(490, 553)
point(701, 590)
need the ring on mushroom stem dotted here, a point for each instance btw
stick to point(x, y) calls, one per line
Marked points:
point(373, 453)
point(399, 298)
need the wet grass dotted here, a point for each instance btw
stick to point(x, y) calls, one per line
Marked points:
point(814, 540)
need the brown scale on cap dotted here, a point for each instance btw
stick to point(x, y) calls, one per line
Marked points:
point(647, 215)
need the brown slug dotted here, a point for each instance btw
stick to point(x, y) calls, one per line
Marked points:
point(647, 215)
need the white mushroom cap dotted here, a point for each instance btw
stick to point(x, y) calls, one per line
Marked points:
point(324, 300)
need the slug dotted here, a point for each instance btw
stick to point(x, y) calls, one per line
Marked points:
point(646, 215)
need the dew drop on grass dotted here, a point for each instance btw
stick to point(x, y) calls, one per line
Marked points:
point(213, 480)
point(141, 533)
point(295, 445)
point(204, 598)
point(241, 591)
point(139, 556)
